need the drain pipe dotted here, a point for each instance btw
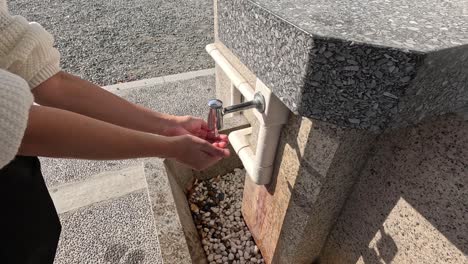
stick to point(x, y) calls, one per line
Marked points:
point(259, 165)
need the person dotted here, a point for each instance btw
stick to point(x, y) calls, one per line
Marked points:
point(72, 118)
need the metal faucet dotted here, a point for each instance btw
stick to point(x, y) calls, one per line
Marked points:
point(217, 112)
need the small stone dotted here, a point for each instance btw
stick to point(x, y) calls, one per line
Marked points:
point(216, 257)
point(354, 121)
point(255, 250)
point(328, 54)
point(378, 74)
point(405, 79)
point(210, 257)
point(340, 58)
point(220, 196)
point(225, 259)
point(254, 260)
point(351, 68)
point(387, 94)
point(207, 214)
point(231, 256)
point(246, 255)
point(194, 208)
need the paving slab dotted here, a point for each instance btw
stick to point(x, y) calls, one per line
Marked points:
point(120, 230)
point(101, 187)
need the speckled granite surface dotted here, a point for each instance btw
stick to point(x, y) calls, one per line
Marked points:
point(367, 64)
point(418, 25)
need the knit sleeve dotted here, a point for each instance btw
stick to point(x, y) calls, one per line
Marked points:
point(26, 49)
point(15, 102)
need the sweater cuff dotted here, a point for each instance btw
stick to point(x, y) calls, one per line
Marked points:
point(45, 73)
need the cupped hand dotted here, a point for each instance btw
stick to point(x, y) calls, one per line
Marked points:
point(189, 125)
point(196, 152)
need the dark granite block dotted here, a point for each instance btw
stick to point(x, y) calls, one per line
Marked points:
point(345, 77)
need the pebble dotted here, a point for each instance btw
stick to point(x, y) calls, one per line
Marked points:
point(225, 236)
point(255, 250)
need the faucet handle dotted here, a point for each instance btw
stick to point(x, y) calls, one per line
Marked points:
point(215, 117)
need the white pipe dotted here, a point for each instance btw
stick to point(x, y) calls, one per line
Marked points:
point(259, 166)
point(235, 77)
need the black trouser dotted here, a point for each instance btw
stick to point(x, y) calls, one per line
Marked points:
point(30, 227)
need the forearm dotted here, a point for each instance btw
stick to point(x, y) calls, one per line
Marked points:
point(68, 92)
point(57, 133)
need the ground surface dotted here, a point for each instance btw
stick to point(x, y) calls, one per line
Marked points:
point(125, 40)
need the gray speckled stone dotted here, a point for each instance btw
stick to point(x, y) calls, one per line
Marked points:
point(350, 77)
point(121, 230)
point(416, 25)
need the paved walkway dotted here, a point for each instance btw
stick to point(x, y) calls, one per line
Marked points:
point(104, 206)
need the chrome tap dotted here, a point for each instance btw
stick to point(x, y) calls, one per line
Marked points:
point(217, 112)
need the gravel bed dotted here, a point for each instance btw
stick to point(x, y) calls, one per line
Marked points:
point(216, 210)
point(115, 41)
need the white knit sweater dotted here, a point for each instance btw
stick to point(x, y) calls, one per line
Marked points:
point(27, 58)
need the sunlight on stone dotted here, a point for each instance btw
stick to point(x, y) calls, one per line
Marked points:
point(407, 236)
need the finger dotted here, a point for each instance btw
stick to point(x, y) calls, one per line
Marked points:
point(220, 138)
point(223, 137)
point(220, 144)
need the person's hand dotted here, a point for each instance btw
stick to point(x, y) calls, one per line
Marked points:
point(189, 125)
point(183, 125)
point(196, 152)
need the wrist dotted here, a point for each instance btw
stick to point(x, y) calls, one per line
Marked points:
point(165, 147)
point(167, 124)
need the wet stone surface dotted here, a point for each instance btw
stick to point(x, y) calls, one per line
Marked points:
point(216, 210)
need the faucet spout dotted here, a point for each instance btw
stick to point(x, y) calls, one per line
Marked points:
point(215, 117)
point(216, 112)
point(258, 103)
